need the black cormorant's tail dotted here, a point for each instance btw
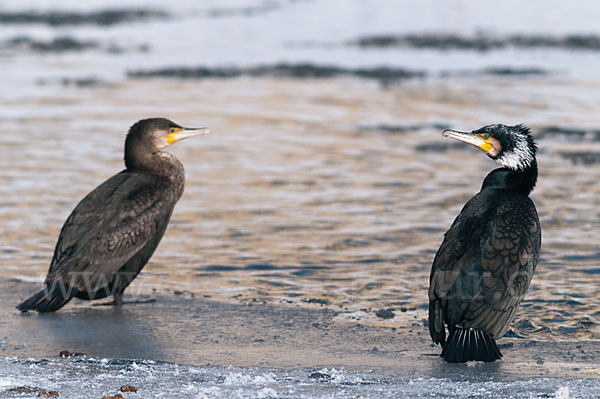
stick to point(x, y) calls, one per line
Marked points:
point(47, 300)
point(466, 344)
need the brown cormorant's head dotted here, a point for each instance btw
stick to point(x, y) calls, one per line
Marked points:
point(148, 136)
point(157, 133)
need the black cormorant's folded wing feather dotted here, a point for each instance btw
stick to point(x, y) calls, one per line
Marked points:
point(508, 260)
point(453, 256)
point(461, 243)
point(108, 227)
point(498, 240)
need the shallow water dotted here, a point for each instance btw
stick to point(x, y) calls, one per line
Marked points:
point(329, 192)
point(282, 205)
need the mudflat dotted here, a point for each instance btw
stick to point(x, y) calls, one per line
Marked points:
point(198, 331)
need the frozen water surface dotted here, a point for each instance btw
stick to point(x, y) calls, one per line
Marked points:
point(86, 378)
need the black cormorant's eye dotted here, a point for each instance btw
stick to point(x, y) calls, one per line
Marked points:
point(486, 136)
point(171, 130)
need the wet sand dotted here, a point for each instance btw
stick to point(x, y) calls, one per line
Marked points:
point(194, 331)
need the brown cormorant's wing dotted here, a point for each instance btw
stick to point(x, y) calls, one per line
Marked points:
point(108, 227)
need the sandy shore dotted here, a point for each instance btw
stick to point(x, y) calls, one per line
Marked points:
point(195, 331)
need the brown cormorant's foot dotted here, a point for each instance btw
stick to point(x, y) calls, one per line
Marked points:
point(139, 301)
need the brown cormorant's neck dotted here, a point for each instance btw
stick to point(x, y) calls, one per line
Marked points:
point(159, 163)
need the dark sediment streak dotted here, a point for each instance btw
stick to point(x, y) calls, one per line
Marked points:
point(84, 82)
point(64, 44)
point(479, 42)
point(590, 271)
point(243, 11)
point(577, 257)
point(441, 147)
point(403, 128)
point(570, 133)
point(498, 71)
point(57, 18)
point(59, 44)
point(297, 71)
point(582, 158)
point(311, 71)
point(87, 82)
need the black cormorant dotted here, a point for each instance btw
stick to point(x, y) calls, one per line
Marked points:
point(112, 233)
point(484, 266)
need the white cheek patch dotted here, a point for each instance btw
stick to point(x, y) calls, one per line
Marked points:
point(519, 157)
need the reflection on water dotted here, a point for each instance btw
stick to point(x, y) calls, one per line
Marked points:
point(314, 192)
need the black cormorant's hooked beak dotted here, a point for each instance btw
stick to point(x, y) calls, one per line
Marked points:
point(480, 141)
point(178, 134)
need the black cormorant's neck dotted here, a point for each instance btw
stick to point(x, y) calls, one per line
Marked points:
point(522, 180)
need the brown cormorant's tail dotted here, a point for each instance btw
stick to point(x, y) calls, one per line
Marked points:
point(47, 300)
point(468, 344)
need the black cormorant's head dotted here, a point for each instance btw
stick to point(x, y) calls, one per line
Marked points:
point(148, 136)
point(511, 146)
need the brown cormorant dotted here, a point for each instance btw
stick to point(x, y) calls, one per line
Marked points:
point(112, 233)
point(484, 266)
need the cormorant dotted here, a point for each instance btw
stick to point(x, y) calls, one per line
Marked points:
point(484, 266)
point(112, 233)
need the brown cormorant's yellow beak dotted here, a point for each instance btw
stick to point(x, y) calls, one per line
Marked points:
point(179, 133)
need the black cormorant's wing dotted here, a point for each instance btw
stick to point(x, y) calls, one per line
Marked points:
point(484, 265)
point(508, 260)
point(453, 256)
point(460, 244)
point(108, 227)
